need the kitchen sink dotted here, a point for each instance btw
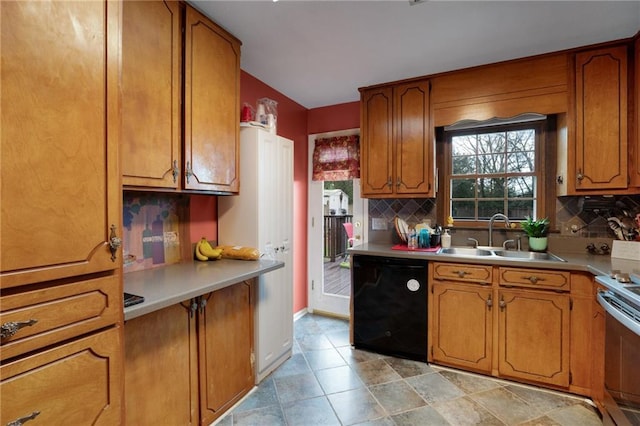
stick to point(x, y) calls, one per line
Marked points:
point(507, 254)
point(528, 255)
point(465, 251)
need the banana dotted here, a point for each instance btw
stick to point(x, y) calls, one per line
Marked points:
point(206, 250)
point(201, 257)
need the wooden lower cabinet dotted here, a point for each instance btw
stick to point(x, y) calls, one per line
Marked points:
point(76, 383)
point(160, 363)
point(462, 337)
point(529, 325)
point(533, 336)
point(188, 363)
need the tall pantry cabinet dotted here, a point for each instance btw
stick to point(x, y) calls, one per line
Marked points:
point(60, 266)
point(262, 217)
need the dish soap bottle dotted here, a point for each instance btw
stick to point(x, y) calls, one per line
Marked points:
point(412, 241)
point(445, 239)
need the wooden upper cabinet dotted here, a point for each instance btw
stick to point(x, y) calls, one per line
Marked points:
point(59, 165)
point(151, 90)
point(398, 151)
point(601, 138)
point(212, 106)
point(376, 145)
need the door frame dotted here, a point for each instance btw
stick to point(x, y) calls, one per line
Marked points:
point(317, 300)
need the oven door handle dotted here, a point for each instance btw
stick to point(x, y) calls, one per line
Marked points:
point(616, 313)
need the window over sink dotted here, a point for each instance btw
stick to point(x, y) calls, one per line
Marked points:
point(494, 167)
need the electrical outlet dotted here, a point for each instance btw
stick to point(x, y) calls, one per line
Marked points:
point(378, 224)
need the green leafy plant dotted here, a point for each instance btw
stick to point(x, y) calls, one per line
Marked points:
point(535, 227)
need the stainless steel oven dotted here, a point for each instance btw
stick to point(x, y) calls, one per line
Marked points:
point(621, 302)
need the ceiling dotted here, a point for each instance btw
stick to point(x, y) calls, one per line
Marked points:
point(319, 52)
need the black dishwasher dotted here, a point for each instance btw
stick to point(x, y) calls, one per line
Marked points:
point(390, 306)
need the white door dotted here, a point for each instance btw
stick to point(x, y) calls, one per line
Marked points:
point(319, 299)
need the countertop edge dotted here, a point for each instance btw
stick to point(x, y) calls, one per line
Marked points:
point(169, 285)
point(581, 262)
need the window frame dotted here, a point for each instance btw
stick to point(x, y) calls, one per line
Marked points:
point(541, 160)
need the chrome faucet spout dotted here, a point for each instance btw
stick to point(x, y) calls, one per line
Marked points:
point(507, 224)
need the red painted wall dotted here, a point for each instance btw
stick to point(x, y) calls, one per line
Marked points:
point(333, 118)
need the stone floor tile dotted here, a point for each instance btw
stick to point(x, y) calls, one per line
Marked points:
point(339, 338)
point(420, 417)
point(469, 383)
point(434, 387)
point(324, 358)
point(356, 406)
point(310, 412)
point(506, 406)
point(299, 386)
point(375, 372)
point(338, 379)
point(271, 416)
point(297, 364)
point(354, 356)
point(465, 411)
point(408, 368)
point(397, 396)
point(263, 396)
point(576, 415)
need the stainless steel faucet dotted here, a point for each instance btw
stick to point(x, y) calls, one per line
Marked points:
point(507, 224)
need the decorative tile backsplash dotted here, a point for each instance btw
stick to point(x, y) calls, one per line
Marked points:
point(151, 230)
point(575, 216)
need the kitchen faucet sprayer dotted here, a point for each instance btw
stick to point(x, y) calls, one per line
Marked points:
point(507, 224)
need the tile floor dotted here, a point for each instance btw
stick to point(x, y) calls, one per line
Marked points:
point(326, 382)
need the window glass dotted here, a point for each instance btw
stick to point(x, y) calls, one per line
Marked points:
point(494, 171)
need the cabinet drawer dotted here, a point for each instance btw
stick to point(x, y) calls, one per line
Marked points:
point(58, 313)
point(78, 383)
point(462, 272)
point(535, 278)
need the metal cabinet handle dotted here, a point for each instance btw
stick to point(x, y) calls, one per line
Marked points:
point(389, 182)
point(203, 304)
point(193, 308)
point(23, 420)
point(175, 171)
point(489, 302)
point(579, 176)
point(8, 329)
point(114, 243)
point(398, 182)
point(533, 279)
point(461, 273)
point(189, 171)
point(502, 303)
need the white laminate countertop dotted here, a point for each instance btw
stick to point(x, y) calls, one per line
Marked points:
point(596, 264)
point(162, 287)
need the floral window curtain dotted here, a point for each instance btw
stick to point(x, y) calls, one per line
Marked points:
point(337, 158)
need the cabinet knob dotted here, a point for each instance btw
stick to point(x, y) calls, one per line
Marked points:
point(579, 176)
point(23, 420)
point(8, 329)
point(114, 243)
point(533, 279)
point(461, 273)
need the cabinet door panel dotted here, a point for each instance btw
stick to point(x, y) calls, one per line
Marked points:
point(462, 338)
point(601, 119)
point(78, 383)
point(212, 106)
point(161, 368)
point(226, 346)
point(151, 58)
point(413, 157)
point(59, 164)
point(377, 142)
point(533, 330)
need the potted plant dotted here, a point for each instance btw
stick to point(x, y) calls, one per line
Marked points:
point(536, 230)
